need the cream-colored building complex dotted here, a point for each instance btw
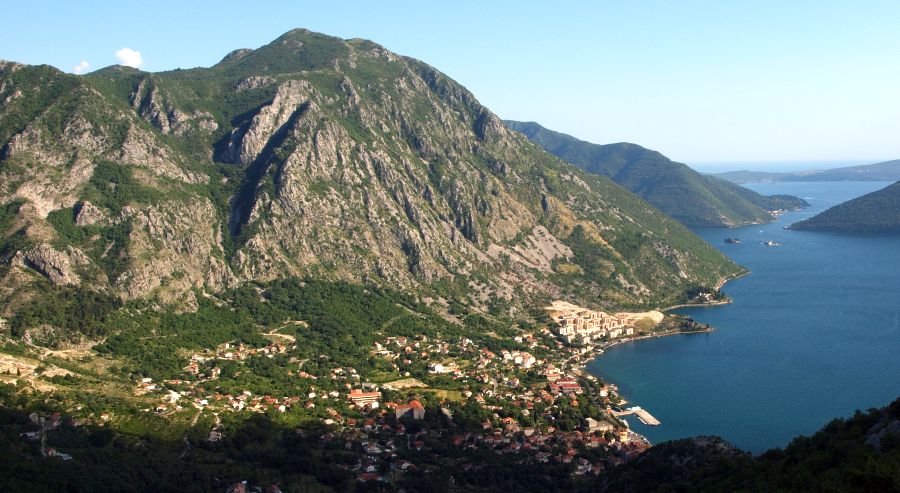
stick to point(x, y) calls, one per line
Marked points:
point(580, 326)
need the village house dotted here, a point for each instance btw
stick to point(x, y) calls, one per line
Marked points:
point(365, 399)
point(413, 409)
point(593, 425)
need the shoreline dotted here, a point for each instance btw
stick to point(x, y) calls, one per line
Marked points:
point(599, 351)
point(722, 282)
point(603, 349)
point(696, 305)
point(732, 277)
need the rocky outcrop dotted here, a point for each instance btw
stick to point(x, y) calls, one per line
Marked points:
point(246, 143)
point(66, 162)
point(7, 67)
point(68, 137)
point(877, 433)
point(50, 263)
point(254, 82)
point(174, 249)
point(236, 55)
point(86, 214)
point(143, 148)
point(156, 109)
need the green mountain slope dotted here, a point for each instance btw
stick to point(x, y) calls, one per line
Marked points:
point(876, 212)
point(676, 189)
point(311, 156)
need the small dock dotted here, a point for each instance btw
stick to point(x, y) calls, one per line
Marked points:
point(641, 414)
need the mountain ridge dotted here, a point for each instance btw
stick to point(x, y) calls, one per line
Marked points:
point(883, 171)
point(693, 199)
point(312, 156)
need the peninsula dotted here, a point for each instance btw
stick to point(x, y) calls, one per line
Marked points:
point(876, 212)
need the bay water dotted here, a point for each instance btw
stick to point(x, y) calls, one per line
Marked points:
point(813, 334)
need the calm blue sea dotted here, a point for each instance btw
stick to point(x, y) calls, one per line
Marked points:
point(813, 334)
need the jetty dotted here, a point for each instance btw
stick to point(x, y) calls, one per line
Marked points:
point(641, 414)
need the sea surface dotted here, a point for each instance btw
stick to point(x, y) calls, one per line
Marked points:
point(813, 334)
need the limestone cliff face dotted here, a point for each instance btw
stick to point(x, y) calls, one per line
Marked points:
point(154, 108)
point(372, 187)
point(55, 265)
point(174, 249)
point(315, 156)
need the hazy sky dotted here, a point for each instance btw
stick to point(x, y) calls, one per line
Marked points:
point(712, 81)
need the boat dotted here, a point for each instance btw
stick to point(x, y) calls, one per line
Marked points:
point(771, 243)
point(732, 241)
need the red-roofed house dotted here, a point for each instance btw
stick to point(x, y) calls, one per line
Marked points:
point(413, 410)
point(363, 399)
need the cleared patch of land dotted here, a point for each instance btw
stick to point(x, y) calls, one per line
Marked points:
point(633, 317)
point(406, 383)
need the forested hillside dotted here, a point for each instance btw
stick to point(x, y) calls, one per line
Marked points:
point(695, 200)
point(876, 212)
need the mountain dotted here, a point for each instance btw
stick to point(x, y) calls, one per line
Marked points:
point(311, 156)
point(876, 212)
point(886, 171)
point(679, 191)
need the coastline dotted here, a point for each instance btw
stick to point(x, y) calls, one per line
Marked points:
point(598, 352)
point(719, 286)
point(602, 349)
point(695, 305)
point(732, 277)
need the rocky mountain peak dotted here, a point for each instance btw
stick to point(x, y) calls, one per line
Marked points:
point(235, 55)
point(315, 156)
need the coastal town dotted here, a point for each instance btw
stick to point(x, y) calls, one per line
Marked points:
point(519, 397)
point(536, 404)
